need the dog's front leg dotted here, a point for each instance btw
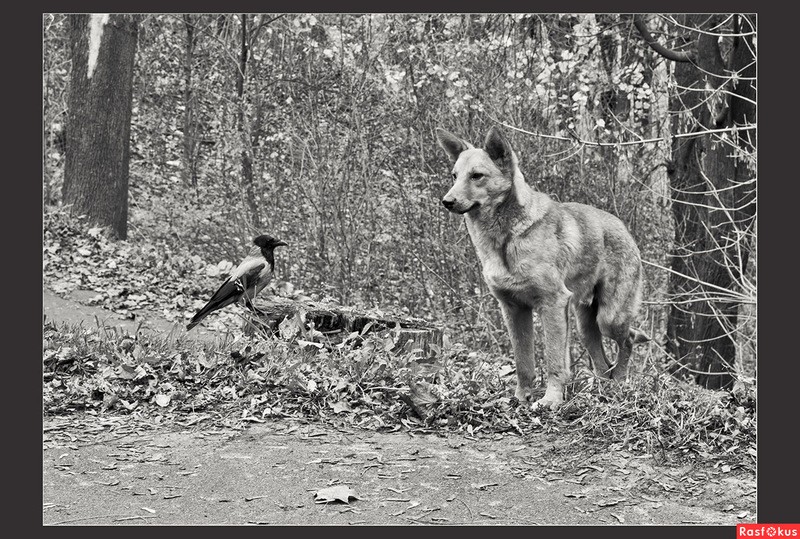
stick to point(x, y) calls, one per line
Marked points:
point(519, 321)
point(555, 323)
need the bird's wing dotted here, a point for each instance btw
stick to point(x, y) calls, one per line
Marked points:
point(249, 272)
point(242, 278)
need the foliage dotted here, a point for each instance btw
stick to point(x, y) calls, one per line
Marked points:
point(127, 276)
point(367, 386)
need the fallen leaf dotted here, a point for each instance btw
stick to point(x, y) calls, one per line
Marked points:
point(290, 327)
point(112, 483)
point(506, 370)
point(205, 361)
point(341, 406)
point(421, 394)
point(609, 503)
point(302, 344)
point(341, 493)
point(162, 400)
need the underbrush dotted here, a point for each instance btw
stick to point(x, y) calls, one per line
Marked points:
point(362, 383)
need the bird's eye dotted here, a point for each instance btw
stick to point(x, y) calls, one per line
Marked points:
point(454, 175)
point(476, 176)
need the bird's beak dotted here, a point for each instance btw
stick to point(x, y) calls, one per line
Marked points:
point(281, 243)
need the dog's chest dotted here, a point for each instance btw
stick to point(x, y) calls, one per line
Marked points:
point(505, 270)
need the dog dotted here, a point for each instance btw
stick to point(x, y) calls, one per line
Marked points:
point(540, 254)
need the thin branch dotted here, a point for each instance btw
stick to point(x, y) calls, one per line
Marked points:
point(669, 54)
point(628, 143)
point(741, 297)
point(672, 20)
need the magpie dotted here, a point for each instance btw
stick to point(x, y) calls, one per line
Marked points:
point(244, 282)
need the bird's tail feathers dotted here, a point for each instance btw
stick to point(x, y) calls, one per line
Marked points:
point(196, 319)
point(227, 294)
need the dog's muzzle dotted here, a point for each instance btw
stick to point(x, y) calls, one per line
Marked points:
point(452, 206)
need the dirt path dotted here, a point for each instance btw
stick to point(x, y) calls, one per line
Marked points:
point(104, 470)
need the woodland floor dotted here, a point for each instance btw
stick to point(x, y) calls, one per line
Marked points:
point(113, 469)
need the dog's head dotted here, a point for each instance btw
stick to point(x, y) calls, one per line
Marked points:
point(481, 176)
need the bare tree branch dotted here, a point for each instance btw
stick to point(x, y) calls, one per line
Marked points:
point(669, 54)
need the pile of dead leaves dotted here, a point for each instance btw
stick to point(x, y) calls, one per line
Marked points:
point(360, 383)
point(127, 276)
point(363, 384)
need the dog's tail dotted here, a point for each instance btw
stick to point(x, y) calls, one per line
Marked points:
point(638, 336)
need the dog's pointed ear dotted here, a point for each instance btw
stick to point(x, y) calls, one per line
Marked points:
point(499, 149)
point(451, 144)
point(496, 145)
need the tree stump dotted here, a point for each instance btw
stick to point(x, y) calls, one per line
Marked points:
point(309, 320)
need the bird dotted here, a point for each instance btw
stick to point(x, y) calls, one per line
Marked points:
point(244, 282)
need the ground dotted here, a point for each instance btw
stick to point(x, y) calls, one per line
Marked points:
point(111, 469)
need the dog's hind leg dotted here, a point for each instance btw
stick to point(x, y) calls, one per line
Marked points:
point(592, 338)
point(638, 336)
point(625, 346)
point(519, 321)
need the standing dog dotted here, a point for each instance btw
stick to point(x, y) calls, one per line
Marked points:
point(537, 253)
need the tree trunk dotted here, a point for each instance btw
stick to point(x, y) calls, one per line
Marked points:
point(247, 161)
point(190, 136)
point(713, 206)
point(103, 48)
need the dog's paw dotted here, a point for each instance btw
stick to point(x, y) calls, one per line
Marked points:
point(547, 404)
point(553, 397)
point(524, 394)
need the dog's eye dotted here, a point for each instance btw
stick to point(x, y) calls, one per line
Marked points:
point(476, 176)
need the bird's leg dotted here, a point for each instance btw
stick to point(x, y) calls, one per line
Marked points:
point(252, 308)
